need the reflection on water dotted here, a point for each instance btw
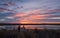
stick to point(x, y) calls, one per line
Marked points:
point(8, 27)
point(43, 26)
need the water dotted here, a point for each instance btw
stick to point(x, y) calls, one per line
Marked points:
point(11, 27)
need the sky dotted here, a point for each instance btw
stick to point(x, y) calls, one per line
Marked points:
point(29, 11)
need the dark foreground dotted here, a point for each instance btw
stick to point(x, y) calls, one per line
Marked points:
point(30, 33)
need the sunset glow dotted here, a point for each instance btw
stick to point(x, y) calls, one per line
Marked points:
point(30, 11)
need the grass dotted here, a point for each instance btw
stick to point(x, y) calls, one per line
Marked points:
point(30, 33)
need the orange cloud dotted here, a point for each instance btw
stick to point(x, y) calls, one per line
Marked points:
point(31, 16)
point(31, 19)
point(37, 16)
point(19, 15)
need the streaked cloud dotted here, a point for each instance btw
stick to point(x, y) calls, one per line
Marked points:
point(30, 10)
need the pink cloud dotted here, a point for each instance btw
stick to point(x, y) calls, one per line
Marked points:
point(29, 16)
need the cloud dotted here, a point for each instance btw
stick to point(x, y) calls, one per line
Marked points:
point(7, 17)
point(38, 16)
point(32, 11)
point(32, 16)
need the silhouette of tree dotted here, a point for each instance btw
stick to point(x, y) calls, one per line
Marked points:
point(19, 28)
